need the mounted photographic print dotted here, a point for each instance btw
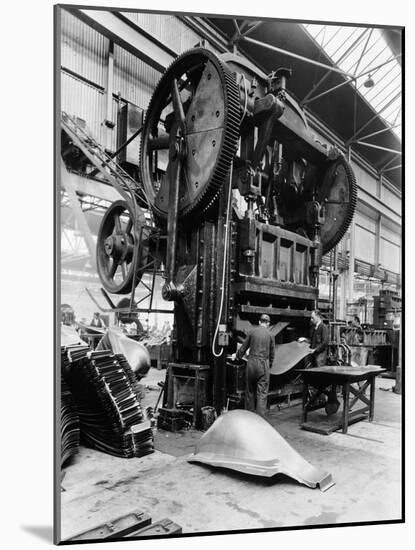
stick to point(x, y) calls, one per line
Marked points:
point(229, 291)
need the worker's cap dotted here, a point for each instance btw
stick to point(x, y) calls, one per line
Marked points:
point(265, 318)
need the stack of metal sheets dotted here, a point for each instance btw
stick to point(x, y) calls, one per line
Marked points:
point(77, 352)
point(107, 397)
point(70, 428)
point(132, 376)
point(70, 435)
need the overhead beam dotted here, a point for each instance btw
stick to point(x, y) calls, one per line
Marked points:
point(130, 37)
point(252, 28)
point(305, 101)
point(237, 29)
point(393, 168)
point(376, 57)
point(206, 31)
point(137, 41)
point(243, 30)
point(372, 119)
point(374, 146)
point(294, 55)
point(310, 99)
point(342, 58)
point(372, 70)
point(388, 163)
point(380, 131)
point(363, 52)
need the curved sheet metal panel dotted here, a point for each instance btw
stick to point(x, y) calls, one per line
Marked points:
point(243, 441)
point(288, 356)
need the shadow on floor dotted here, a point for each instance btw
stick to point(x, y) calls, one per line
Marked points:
point(250, 479)
point(43, 532)
point(176, 443)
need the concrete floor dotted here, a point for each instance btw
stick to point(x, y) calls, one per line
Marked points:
point(365, 464)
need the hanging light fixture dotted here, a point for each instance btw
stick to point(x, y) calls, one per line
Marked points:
point(369, 82)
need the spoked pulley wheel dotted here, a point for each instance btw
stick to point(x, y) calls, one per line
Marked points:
point(201, 87)
point(119, 252)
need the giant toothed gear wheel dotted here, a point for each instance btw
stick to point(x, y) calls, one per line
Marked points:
point(338, 193)
point(211, 104)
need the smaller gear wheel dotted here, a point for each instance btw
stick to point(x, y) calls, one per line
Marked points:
point(118, 250)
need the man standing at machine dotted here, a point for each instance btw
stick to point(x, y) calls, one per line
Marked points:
point(261, 356)
point(97, 321)
point(319, 340)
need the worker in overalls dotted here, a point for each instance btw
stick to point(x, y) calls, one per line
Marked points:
point(261, 356)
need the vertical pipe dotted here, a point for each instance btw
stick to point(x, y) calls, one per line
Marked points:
point(219, 363)
point(351, 260)
point(343, 284)
point(330, 282)
point(379, 186)
point(109, 123)
point(346, 395)
point(352, 246)
point(398, 385)
point(173, 214)
point(335, 283)
point(377, 240)
point(344, 292)
point(212, 290)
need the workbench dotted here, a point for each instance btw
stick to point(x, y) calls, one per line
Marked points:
point(325, 378)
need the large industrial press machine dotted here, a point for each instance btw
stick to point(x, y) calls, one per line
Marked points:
point(237, 203)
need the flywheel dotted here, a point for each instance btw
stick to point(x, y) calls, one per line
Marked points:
point(121, 250)
point(338, 193)
point(211, 104)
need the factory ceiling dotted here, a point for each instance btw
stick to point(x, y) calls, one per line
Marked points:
point(348, 77)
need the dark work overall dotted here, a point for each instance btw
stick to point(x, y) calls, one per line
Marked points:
point(257, 382)
point(261, 353)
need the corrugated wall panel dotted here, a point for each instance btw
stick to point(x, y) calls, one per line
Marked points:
point(133, 78)
point(84, 101)
point(390, 256)
point(392, 236)
point(167, 28)
point(365, 222)
point(364, 179)
point(84, 51)
point(365, 245)
point(391, 200)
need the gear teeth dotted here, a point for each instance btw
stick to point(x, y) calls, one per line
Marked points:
point(232, 122)
point(206, 199)
point(350, 211)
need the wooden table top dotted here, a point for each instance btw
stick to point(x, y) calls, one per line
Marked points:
point(341, 373)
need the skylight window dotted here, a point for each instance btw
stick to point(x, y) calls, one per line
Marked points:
point(364, 53)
